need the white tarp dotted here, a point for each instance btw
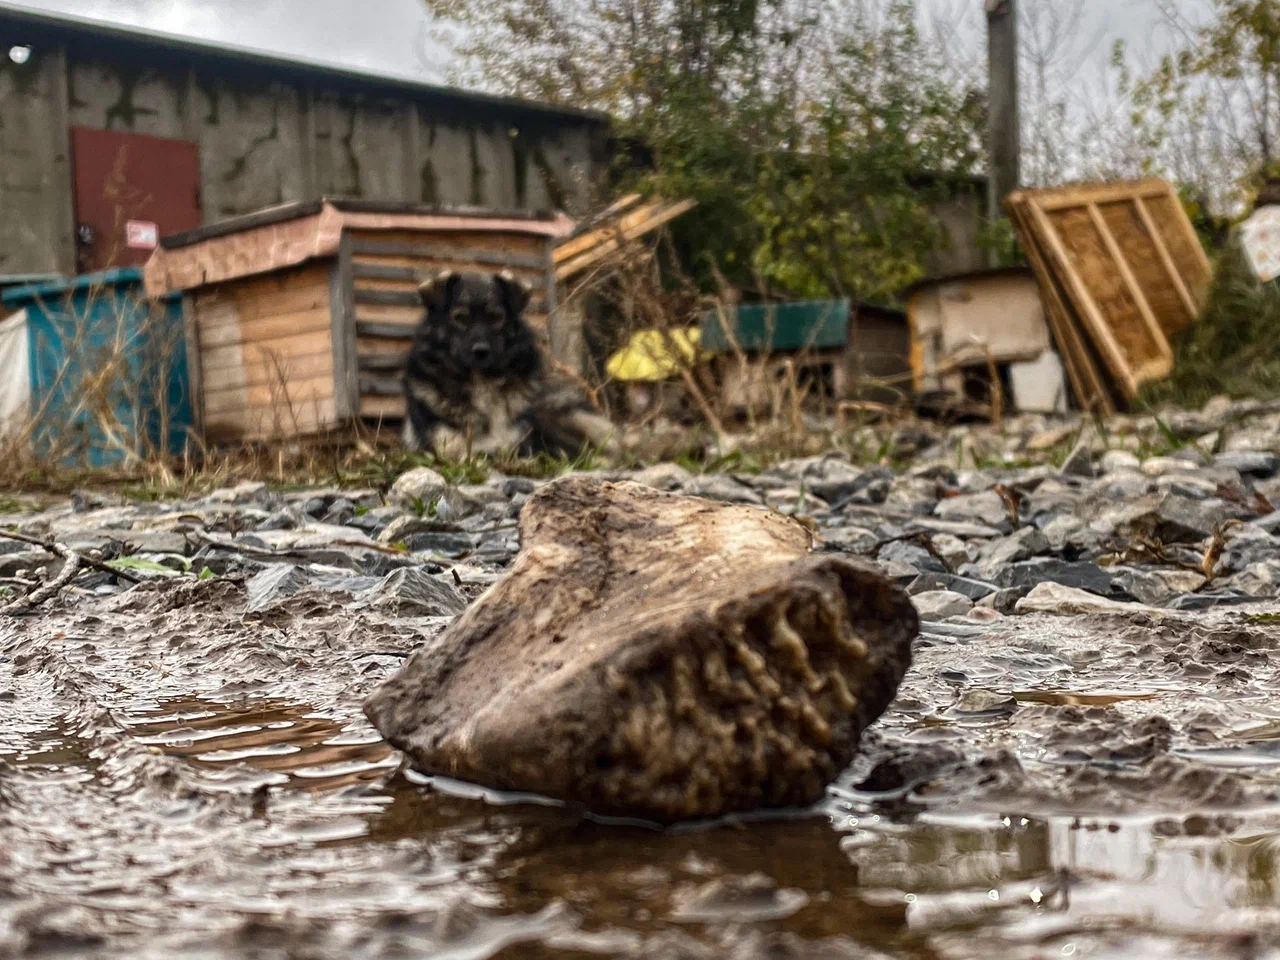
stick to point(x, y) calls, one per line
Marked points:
point(15, 373)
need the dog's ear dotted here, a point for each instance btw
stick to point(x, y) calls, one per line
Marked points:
point(438, 292)
point(515, 292)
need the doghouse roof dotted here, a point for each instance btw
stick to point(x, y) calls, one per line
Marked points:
point(294, 233)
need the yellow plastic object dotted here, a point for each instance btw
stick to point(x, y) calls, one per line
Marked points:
point(654, 355)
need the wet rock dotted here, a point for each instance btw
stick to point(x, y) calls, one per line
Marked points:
point(1062, 600)
point(837, 482)
point(341, 511)
point(1023, 544)
point(975, 590)
point(247, 492)
point(1079, 575)
point(667, 477)
point(1156, 586)
point(1163, 466)
point(723, 488)
point(941, 605)
point(909, 765)
point(1192, 487)
point(1004, 601)
point(12, 564)
point(275, 583)
point(968, 531)
point(1210, 600)
point(280, 520)
point(1116, 461)
point(1247, 546)
point(1116, 488)
point(519, 486)
point(373, 521)
point(412, 592)
point(420, 485)
point(407, 524)
point(1183, 520)
point(1167, 517)
point(439, 542)
point(657, 656)
point(1253, 463)
point(952, 550)
point(904, 551)
point(1058, 530)
point(987, 507)
point(477, 495)
point(917, 496)
point(978, 703)
point(1079, 462)
point(903, 574)
point(1261, 580)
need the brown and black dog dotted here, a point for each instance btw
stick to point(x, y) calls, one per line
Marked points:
point(476, 382)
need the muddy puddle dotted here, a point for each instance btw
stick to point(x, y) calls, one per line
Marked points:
point(187, 781)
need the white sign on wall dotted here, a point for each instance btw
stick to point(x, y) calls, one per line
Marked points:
point(141, 235)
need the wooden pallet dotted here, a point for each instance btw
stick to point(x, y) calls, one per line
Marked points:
point(1122, 271)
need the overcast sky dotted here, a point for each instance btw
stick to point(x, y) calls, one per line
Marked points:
point(393, 36)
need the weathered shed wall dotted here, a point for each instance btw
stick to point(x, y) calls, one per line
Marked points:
point(36, 220)
point(267, 137)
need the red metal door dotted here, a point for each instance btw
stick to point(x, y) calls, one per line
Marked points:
point(130, 190)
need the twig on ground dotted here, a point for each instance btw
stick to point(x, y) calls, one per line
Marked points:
point(70, 570)
point(291, 552)
point(58, 550)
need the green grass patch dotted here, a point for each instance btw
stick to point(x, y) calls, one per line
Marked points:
point(1234, 348)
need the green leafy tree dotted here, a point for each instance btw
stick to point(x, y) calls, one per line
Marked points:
point(804, 128)
point(1208, 112)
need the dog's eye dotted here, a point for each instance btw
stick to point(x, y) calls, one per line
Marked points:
point(461, 318)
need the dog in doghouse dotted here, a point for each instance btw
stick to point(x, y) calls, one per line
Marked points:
point(477, 383)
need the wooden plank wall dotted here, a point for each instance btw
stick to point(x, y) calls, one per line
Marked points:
point(266, 357)
point(386, 268)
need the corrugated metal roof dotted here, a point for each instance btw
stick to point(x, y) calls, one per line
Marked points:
point(115, 277)
point(46, 22)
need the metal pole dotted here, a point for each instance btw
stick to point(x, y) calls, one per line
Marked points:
point(1005, 137)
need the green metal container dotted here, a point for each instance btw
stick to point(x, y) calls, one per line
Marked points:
point(758, 328)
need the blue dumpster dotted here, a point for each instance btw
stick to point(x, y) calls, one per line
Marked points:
point(106, 365)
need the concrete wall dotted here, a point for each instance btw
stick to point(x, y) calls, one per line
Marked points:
point(267, 143)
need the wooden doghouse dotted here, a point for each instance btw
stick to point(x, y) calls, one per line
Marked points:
point(299, 318)
point(965, 327)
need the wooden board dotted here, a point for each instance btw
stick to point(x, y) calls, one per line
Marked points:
point(576, 255)
point(1130, 269)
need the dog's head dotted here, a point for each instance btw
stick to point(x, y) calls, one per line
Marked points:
point(479, 316)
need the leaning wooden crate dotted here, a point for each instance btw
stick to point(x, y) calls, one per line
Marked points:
point(299, 318)
point(1122, 272)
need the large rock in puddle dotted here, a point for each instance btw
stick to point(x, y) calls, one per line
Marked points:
point(656, 656)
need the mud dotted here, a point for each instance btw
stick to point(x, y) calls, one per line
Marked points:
point(181, 778)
